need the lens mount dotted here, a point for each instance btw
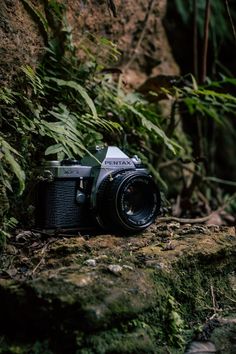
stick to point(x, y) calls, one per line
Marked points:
point(129, 200)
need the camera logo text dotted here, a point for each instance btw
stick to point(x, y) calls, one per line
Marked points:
point(119, 163)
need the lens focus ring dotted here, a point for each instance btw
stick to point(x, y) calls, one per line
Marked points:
point(130, 201)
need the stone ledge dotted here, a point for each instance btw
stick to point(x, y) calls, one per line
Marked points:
point(85, 290)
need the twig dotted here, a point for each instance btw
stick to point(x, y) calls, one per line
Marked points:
point(213, 316)
point(148, 149)
point(200, 144)
point(206, 36)
point(112, 7)
point(220, 181)
point(206, 179)
point(166, 164)
point(230, 299)
point(227, 297)
point(146, 21)
point(197, 220)
point(205, 201)
point(185, 220)
point(213, 299)
point(172, 124)
point(195, 40)
point(179, 164)
point(43, 251)
point(230, 18)
point(227, 320)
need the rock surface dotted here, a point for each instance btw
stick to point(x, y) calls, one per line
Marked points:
point(137, 30)
point(110, 294)
point(21, 42)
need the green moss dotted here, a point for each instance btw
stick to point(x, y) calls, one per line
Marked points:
point(10, 347)
point(225, 337)
point(185, 299)
point(145, 309)
point(118, 341)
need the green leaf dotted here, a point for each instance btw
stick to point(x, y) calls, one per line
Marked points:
point(81, 90)
point(14, 165)
point(54, 149)
point(183, 9)
point(7, 96)
point(34, 80)
point(220, 96)
point(7, 146)
point(152, 127)
point(42, 19)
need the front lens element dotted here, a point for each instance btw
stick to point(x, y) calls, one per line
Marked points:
point(137, 201)
point(131, 201)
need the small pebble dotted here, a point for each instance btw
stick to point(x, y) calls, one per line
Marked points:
point(128, 267)
point(198, 347)
point(102, 257)
point(173, 226)
point(115, 269)
point(214, 228)
point(91, 262)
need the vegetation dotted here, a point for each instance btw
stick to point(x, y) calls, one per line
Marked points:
point(221, 27)
point(209, 24)
point(210, 28)
point(67, 105)
point(72, 101)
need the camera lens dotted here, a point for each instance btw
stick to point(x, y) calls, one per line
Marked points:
point(129, 200)
point(136, 199)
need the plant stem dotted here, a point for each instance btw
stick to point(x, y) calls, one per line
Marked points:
point(205, 44)
point(230, 18)
point(142, 35)
point(197, 220)
point(195, 40)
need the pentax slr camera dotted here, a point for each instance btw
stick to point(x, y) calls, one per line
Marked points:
point(106, 189)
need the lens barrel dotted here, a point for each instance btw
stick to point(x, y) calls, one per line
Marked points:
point(128, 200)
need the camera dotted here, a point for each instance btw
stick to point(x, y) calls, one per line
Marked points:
point(106, 188)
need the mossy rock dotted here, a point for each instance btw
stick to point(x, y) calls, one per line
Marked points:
point(113, 294)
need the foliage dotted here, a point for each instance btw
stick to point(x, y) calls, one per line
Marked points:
point(38, 15)
point(67, 105)
point(208, 28)
point(209, 100)
point(220, 25)
point(9, 346)
point(8, 226)
point(175, 322)
point(8, 161)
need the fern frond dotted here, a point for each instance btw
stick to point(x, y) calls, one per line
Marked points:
point(7, 96)
point(40, 17)
point(81, 90)
point(172, 145)
point(8, 158)
point(34, 79)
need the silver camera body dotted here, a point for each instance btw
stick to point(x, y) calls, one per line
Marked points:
point(106, 188)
